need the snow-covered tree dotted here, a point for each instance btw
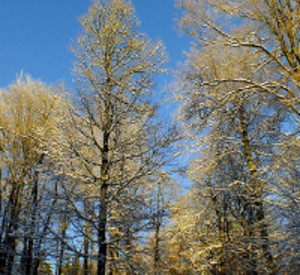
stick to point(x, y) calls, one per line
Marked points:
point(31, 116)
point(121, 143)
point(239, 89)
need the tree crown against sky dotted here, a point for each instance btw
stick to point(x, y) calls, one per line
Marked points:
point(39, 34)
point(86, 186)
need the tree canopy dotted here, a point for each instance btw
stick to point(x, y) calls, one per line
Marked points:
point(91, 180)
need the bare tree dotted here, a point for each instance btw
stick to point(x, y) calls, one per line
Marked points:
point(120, 144)
point(239, 88)
point(31, 114)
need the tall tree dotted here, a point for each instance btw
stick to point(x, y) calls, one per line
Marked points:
point(239, 87)
point(31, 116)
point(114, 75)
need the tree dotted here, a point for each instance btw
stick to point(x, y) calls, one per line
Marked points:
point(190, 241)
point(31, 115)
point(265, 27)
point(239, 87)
point(119, 145)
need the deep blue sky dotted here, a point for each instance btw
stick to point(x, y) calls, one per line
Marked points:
point(36, 35)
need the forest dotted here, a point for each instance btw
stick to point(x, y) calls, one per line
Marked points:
point(91, 182)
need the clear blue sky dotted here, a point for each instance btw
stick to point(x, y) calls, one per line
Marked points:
point(36, 35)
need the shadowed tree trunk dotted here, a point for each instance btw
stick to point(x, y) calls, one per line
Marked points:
point(257, 215)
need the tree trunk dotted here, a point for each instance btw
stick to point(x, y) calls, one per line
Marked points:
point(102, 252)
point(257, 215)
point(86, 249)
point(9, 242)
point(29, 254)
point(102, 231)
point(157, 233)
point(64, 226)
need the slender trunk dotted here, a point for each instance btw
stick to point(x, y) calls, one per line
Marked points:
point(29, 256)
point(10, 240)
point(86, 249)
point(102, 250)
point(44, 231)
point(157, 233)
point(2, 257)
point(12, 245)
point(256, 205)
point(157, 250)
point(64, 226)
point(102, 231)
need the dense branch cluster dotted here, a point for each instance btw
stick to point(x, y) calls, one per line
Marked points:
point(87, 185)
